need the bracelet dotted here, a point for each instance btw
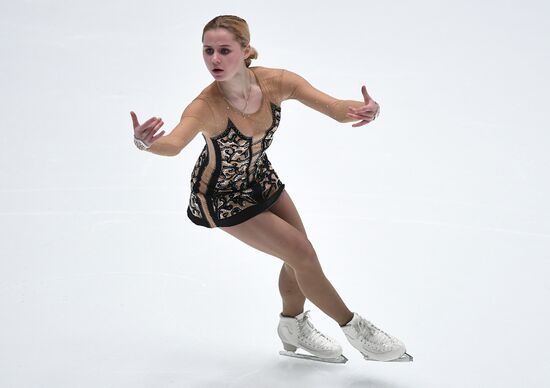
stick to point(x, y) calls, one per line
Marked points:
point(141, 144)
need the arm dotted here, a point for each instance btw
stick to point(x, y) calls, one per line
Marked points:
point(296, 87)
point(175, 141)
point(191, 123)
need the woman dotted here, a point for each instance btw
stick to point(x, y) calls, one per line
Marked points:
point(235, 188)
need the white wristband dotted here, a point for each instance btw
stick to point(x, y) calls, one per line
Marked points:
point(141, 144)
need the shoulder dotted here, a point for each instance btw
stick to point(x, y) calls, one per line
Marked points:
point(203, 101)
point(208, 94)
point(271, 72)
point(282, 82)
point(284, 77)
point(292, 78)
point(201, 106)
point(291, 84)
point(268, 74)
point(265, 71)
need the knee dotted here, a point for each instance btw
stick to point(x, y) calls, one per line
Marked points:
point(303, 257)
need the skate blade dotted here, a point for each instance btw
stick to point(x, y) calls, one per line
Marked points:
point(338, 360)
point(404, 358)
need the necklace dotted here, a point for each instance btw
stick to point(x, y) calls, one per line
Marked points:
point(229, 106)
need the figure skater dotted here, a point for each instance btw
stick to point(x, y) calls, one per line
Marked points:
point(235, 188)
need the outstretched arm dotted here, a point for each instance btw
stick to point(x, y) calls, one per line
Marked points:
point(175, 141)
point(344, 111)
point(190, 124)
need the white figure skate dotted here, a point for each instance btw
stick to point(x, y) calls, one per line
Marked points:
point(373, 343)
point(299, 332)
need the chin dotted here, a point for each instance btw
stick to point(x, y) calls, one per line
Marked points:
point(218, 77)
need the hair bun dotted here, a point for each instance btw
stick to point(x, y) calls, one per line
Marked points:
point(253, 55)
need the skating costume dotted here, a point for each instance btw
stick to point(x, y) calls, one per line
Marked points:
point(233, 179)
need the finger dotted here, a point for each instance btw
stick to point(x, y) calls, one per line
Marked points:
point(154, 138)
point(365, 93)
point(364, 120)
point(159, 124)
point(360, 123)
point(144, 128)
point(152, 120)
point(134, 119)
point(361, 117)
point(372, 105)
point(362, 109)
point(149, 122)
point(152, 130)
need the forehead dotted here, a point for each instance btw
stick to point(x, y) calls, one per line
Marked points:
point(218, 37)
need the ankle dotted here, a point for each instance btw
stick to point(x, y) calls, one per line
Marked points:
point(346, 321)
point(291, 314)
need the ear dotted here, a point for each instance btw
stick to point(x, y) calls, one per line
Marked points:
point(247, 51)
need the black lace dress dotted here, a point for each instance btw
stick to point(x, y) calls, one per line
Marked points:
point(242, 183)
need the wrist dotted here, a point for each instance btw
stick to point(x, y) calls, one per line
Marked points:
point(140, 144)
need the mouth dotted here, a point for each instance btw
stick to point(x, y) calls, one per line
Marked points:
point(217, 71)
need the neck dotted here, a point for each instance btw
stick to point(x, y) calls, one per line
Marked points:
point(238, 86)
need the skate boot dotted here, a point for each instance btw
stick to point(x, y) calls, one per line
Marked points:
point(299, 332)
point(373, 343)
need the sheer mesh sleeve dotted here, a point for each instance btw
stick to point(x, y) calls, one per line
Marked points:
point(295, 87)
point(199, 110)
point(196, 117)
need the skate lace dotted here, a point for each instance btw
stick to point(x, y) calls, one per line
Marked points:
point(308, 330)
point(367, 330)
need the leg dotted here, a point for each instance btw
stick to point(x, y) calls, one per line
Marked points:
point(292, 296)
point(271, 234)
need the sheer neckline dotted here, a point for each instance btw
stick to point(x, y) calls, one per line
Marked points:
point(238, 111)
point(231, 125)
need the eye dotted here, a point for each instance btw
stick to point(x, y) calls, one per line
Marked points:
point(208, 51)
point(225, 51)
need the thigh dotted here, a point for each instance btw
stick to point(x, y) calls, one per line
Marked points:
point(271, 234)
point(285, 209)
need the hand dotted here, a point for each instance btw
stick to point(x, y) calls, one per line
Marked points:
point(365, 113)
point(146, 131)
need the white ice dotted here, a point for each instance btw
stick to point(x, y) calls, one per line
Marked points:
point(433, 221)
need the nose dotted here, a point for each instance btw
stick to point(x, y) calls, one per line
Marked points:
point(215, 59)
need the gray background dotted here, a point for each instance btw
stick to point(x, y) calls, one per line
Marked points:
point(432, 222)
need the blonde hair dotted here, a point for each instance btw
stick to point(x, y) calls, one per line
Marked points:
point(238, 27)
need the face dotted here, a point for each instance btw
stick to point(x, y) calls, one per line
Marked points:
point(221, 51)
